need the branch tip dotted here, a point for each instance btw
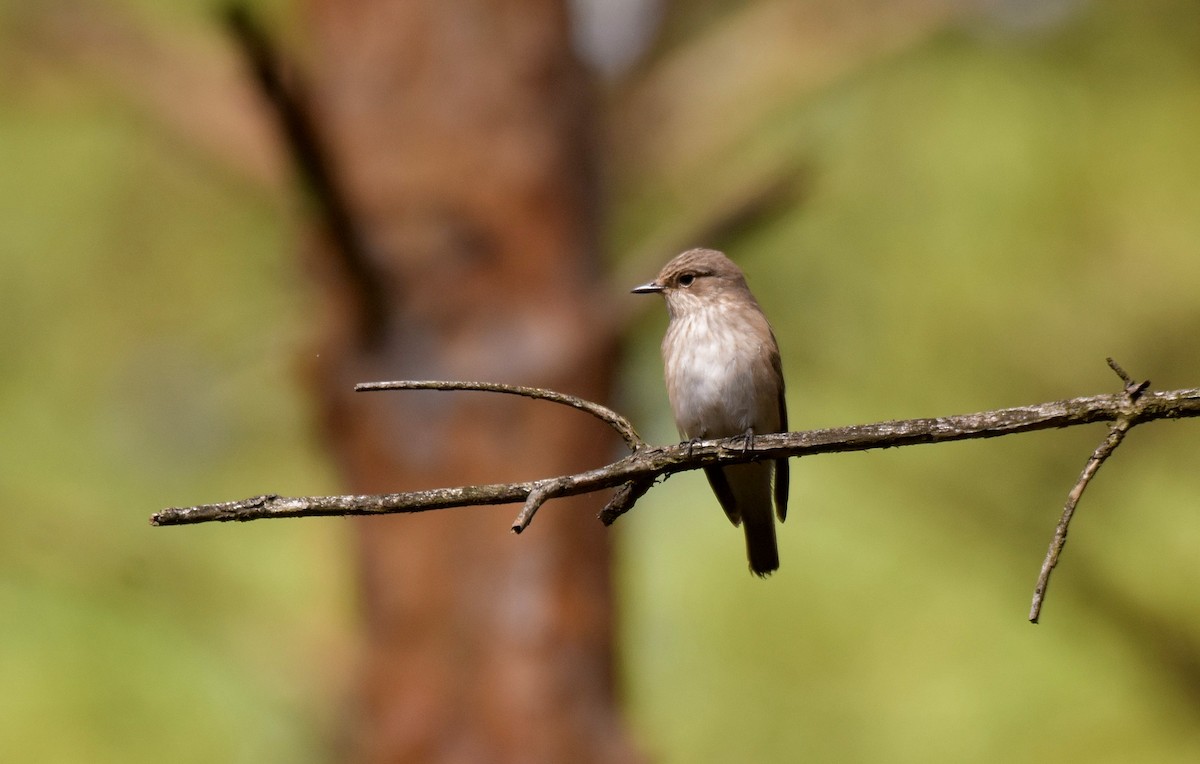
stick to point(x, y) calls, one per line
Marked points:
point(537, 497)
point(1116, 434)
point(1120, 372)
point(623, 500)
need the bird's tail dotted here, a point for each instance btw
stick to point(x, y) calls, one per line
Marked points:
point(760, 544)
point(744, 491)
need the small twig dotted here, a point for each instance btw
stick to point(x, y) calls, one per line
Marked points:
point(541, 493)
point(1116, 434)
point(614, 420)
point(623, 500)
point(1128, 380)
point(1133, 389)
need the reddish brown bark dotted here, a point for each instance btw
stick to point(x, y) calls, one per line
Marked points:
point(459, 131)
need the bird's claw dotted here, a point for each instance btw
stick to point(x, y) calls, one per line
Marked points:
point(748, 441)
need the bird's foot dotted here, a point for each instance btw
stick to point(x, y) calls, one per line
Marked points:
point(747, 441)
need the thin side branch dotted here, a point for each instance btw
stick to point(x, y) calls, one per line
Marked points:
point(1132, 388)
point(1116, 434)
point(623, 499)
point(649, 463)
point(614, 420)
point(541, 493)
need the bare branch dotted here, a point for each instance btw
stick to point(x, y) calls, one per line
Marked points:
point(614, 420)
point(648, 463)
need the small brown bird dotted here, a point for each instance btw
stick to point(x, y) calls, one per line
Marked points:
point(724, 379)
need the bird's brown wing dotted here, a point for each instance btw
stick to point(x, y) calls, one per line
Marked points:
point(720, 486)
point(782, 478)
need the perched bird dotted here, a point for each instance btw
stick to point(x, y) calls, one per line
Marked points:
point(724, 378)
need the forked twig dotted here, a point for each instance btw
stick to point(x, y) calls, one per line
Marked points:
point(1116, 433)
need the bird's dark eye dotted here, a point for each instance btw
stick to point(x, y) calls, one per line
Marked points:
point(686, 279)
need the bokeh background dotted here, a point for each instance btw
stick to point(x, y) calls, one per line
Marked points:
point(943, 207)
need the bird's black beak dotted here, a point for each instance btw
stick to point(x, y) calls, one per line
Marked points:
point(648, 288)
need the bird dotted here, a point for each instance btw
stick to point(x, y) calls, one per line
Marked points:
point(724, 379)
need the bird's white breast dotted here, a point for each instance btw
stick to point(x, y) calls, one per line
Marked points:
point(713, 363)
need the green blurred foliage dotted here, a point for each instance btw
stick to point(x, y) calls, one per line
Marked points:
point(152, 320)
point(977, 222)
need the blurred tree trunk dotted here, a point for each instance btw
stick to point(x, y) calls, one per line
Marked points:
point(460, 132)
